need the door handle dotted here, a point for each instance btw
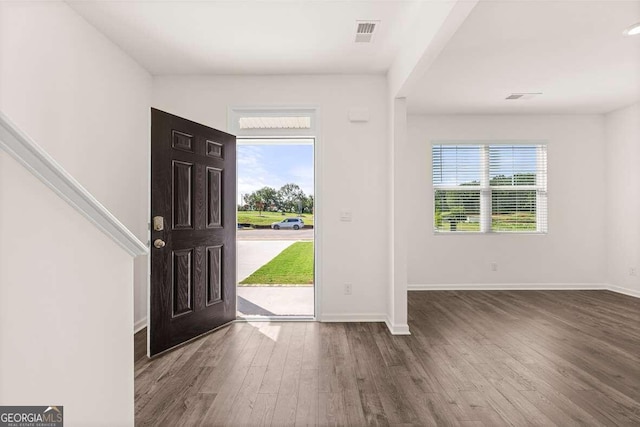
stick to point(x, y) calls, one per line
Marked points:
point(159, 243)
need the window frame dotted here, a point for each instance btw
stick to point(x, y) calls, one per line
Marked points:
point(485, 189)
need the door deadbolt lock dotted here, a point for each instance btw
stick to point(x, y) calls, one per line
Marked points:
point(159, 243)
point(158, 223)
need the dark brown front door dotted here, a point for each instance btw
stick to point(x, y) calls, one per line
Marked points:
point(193, 268)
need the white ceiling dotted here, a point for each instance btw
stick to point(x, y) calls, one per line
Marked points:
point(252, 37)
point(572, 51)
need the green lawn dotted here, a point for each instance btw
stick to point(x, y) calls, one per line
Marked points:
point(461, 226)
point(255, 218)
point(504, 222)
point(293, 266)
point(514, 222)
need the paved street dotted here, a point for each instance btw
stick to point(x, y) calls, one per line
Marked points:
point(269, 234)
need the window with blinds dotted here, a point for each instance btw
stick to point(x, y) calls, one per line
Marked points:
point(490, 187)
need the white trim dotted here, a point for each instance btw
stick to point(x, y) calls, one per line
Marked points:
point(33, 157)
point(397, 329)
point(624, 291)
point(404, 329)
point(318, 203)
point(508, 286)
point(353, 317)
point(318, 158)
point(235, 113)
point(307, 140)
point(489, 233)
point(140, 325)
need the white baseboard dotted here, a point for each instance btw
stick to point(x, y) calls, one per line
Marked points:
point(397, 329)
point(526, 287)
point(353, 317)
point(509, 287)
point(139, 325)
point(625, 291)
point(404, 329)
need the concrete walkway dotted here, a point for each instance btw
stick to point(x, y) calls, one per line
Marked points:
point(275, 300)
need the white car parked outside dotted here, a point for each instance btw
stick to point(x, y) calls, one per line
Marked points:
point(295, 223)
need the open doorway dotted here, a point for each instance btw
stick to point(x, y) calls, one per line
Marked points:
point(276, 228)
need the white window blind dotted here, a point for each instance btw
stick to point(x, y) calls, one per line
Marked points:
point(490, 187)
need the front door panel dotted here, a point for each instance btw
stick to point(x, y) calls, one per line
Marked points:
point(193, 180)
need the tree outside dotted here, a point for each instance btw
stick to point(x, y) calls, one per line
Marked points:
point(290, 198)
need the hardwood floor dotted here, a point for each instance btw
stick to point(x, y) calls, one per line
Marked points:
point(475, 358)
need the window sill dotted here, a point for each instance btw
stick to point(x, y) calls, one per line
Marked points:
point(493, 233)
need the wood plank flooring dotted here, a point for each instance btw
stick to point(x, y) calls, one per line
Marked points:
point(475, 358)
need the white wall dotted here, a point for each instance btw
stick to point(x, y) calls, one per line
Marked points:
point(86, 103)
point(66, 302)
point(572, 253)
point(622, 130)
point(66, 307)
point(354, 161)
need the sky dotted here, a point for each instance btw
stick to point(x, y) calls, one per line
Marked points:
point(273, 166)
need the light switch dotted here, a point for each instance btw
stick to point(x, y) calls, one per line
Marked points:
point(345, 216)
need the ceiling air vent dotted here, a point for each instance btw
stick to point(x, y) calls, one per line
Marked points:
point(526, 95)
point(365, 31)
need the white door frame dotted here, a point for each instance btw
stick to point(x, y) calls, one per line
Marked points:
point(313, 132)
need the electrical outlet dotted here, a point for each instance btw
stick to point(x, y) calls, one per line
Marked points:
point(633, 271)
point(494, 266)
point(347, 289)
